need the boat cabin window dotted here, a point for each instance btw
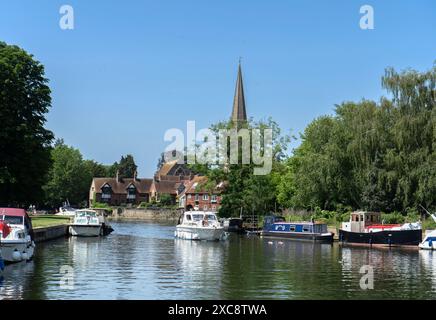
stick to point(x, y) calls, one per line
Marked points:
point(198, 217)
point(188, 217)
point(86, 213)
point(292, 228)
point(306, 228)
point(12, 219)
point(211, 217)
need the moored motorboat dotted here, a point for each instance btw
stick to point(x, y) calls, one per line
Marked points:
point(66, 210)
point(89, 223)
point(16, 235)
point(275, 226)
point(366, 228)
point(199, 225)
point(233, 225)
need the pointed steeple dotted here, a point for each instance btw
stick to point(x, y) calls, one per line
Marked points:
point(239, 113)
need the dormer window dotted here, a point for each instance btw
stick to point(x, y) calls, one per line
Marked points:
point(131, 192)
point(106, 192)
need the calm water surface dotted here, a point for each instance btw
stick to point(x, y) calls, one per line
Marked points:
point(142, 260)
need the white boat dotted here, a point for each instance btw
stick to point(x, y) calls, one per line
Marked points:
point(86, 224)
point(89, 223)
point(199, 225)
point(16, 235)
point(66, 210)
point(429, 242)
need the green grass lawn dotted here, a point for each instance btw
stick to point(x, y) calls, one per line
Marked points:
point(49, 220)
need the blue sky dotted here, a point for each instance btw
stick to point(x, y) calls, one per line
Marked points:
point(130, 70)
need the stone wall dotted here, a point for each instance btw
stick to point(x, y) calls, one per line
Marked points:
point(50, 233)
point(145, 214)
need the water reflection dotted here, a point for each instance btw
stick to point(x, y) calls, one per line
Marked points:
point(144, 261)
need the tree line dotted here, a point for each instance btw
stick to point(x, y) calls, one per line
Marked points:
point(368, 155)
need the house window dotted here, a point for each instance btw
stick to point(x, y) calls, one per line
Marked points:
point(205, 197)
point(213, 198)
point(213, 207)
point(131, 193)
point(205, 208)
point(189, 196)
point(106, 193)
point(197, 197)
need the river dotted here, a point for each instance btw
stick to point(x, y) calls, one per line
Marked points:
point(142, 260)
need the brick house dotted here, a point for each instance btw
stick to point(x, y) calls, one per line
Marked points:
point(196, 196)
point(117, 191)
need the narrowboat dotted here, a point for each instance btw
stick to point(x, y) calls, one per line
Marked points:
point(275, 226)
point(367, 228)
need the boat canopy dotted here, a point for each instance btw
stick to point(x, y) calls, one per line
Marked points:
point(15, 212)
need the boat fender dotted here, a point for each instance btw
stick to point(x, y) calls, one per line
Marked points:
point(25, 256)
point(16, 255)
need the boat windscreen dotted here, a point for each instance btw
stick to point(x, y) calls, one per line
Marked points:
point(211, 217)
point(197, 217)
point(12, 219)
point(86, 213)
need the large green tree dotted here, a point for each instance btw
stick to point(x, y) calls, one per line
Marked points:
point(126, 168)
point(24, 142)
point(246, 192)
point(70, 176)
point(374, 156)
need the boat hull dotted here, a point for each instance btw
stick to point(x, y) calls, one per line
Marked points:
point(384, 238)
point(17, 250)
point(208, 234)
point(326, 238)
point(85, 230)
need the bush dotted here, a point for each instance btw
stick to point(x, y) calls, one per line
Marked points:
point(99, 205)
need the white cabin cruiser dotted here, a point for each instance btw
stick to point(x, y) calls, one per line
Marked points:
point(199, 225)
point(16, 235)
point(66, 210)
point(429, 242)
point(89, 223)
point(86, 224)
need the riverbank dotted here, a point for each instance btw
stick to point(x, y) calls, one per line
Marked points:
point(49, 227)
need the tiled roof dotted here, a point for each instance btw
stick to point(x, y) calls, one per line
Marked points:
point(142, 185)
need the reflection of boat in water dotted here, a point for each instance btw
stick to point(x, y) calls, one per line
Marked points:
point(16, 280)
point(366, 228)
point(89, 223)
point(16, 235)
point(277, 227)
point(199, 225)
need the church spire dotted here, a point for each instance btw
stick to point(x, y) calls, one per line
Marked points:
point(239, 114)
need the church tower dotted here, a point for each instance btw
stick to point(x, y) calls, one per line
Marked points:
point(239, 113)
